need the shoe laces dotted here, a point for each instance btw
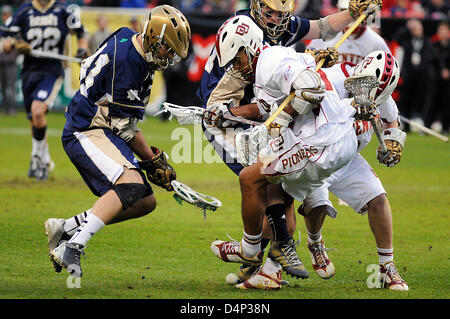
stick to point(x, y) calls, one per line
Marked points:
point(392, 272)
point(319, 252)
point(233, 246)
point(291, 253)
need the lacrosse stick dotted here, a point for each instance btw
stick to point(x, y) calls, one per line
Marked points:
point(51, 55)
point(187, 194)
point(424, 129)
point(360, 88)
point(188, 115)
point(319, 65)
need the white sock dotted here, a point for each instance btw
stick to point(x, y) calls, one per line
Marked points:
point(45, 154)
point(271, 266)
point(315, 238)
point(90, 226)
point(251, 244)
point(385, 255)
point(72, 224)
point(37, 147)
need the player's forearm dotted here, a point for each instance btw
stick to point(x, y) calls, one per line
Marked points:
point(82, 43)
point(140, 147)
point(248, 111)
point(329, 25)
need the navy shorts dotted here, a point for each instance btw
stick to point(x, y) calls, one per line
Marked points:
point(99, 157)
point(41, 86)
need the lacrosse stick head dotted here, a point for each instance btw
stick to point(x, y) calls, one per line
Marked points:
point(185, 115)
point(187, 194)
point(361, 87)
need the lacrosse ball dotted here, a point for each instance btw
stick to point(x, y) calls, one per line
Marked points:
point(231, 279)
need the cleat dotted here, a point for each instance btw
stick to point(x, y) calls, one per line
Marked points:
point(261, 280)
point(391, 279)
point(71, 259)
point(245, 272)
point(320, 261)
point(231, 251)
point(57, 254)
point(286, 255)
point(54, 229)
point(34, 165)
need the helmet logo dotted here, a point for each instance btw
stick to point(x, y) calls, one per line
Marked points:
point(366, 62)
point(242, 29)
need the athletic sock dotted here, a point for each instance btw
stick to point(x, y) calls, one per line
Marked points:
point(37, 147)
point(89, 227)
point(385, 255)
point(251, 244)
point(276, 216)
point(315, 238)
point(39, 132)
point(72, 224)
point(270, 266)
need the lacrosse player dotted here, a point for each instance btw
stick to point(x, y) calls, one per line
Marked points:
point(360, 43)
point(220, 91)
point(359, 186)
point(41, 25)
point(101, 136)
point(316, 139)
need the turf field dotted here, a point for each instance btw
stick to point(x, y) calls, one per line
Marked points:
point(166, 255)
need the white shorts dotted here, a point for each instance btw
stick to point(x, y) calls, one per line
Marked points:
point(303, 168)
point(357, 185)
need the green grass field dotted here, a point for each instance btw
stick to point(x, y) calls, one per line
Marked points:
point(166, 254)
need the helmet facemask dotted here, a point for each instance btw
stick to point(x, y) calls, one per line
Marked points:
point(274, 22)
point(242, 69)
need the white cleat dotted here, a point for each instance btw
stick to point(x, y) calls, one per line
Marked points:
point(322, 265)
point(231, 251)
point(57, 254)
point(263, 281)
point(54, 229)
point(391, 279)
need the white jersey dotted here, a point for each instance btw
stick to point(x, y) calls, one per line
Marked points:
point(276, 70)
point(319, 143)
point(364, 130)
point(354, 49)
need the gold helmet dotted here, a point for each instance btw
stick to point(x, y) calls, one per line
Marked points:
point(273, 15)
point(165, 25)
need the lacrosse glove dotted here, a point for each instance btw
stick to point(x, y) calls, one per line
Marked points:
point(158, 170)
point(81, 54)
point(394, 139)
point(22, 47)
point(358, 7)
point(330, 54)
point(364, 113)
point(214, 115)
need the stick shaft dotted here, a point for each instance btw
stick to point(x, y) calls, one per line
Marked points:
point(376, 129)
point(318, 67)
point(424, 129)
point(51, 55)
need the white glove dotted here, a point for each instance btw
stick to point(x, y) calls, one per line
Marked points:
point(309, 91)
point(283, 119)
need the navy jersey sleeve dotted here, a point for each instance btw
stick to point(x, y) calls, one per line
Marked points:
point(298, 29)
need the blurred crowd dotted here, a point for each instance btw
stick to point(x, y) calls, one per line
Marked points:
point(420, 43)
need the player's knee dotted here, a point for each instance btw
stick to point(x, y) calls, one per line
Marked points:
point(378, 204)
point(38, 109)
point(129, 193)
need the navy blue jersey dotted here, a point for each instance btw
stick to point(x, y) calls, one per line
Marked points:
point(46, 30)
point(114, 82)
point(297, 30)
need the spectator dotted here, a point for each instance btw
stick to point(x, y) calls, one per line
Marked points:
point(416, 71)
point(101, 34)
point(8, 72)
point(438, 9)
point(134, 24)
point(407, 9)
point(438, 116)
point(133, 3)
